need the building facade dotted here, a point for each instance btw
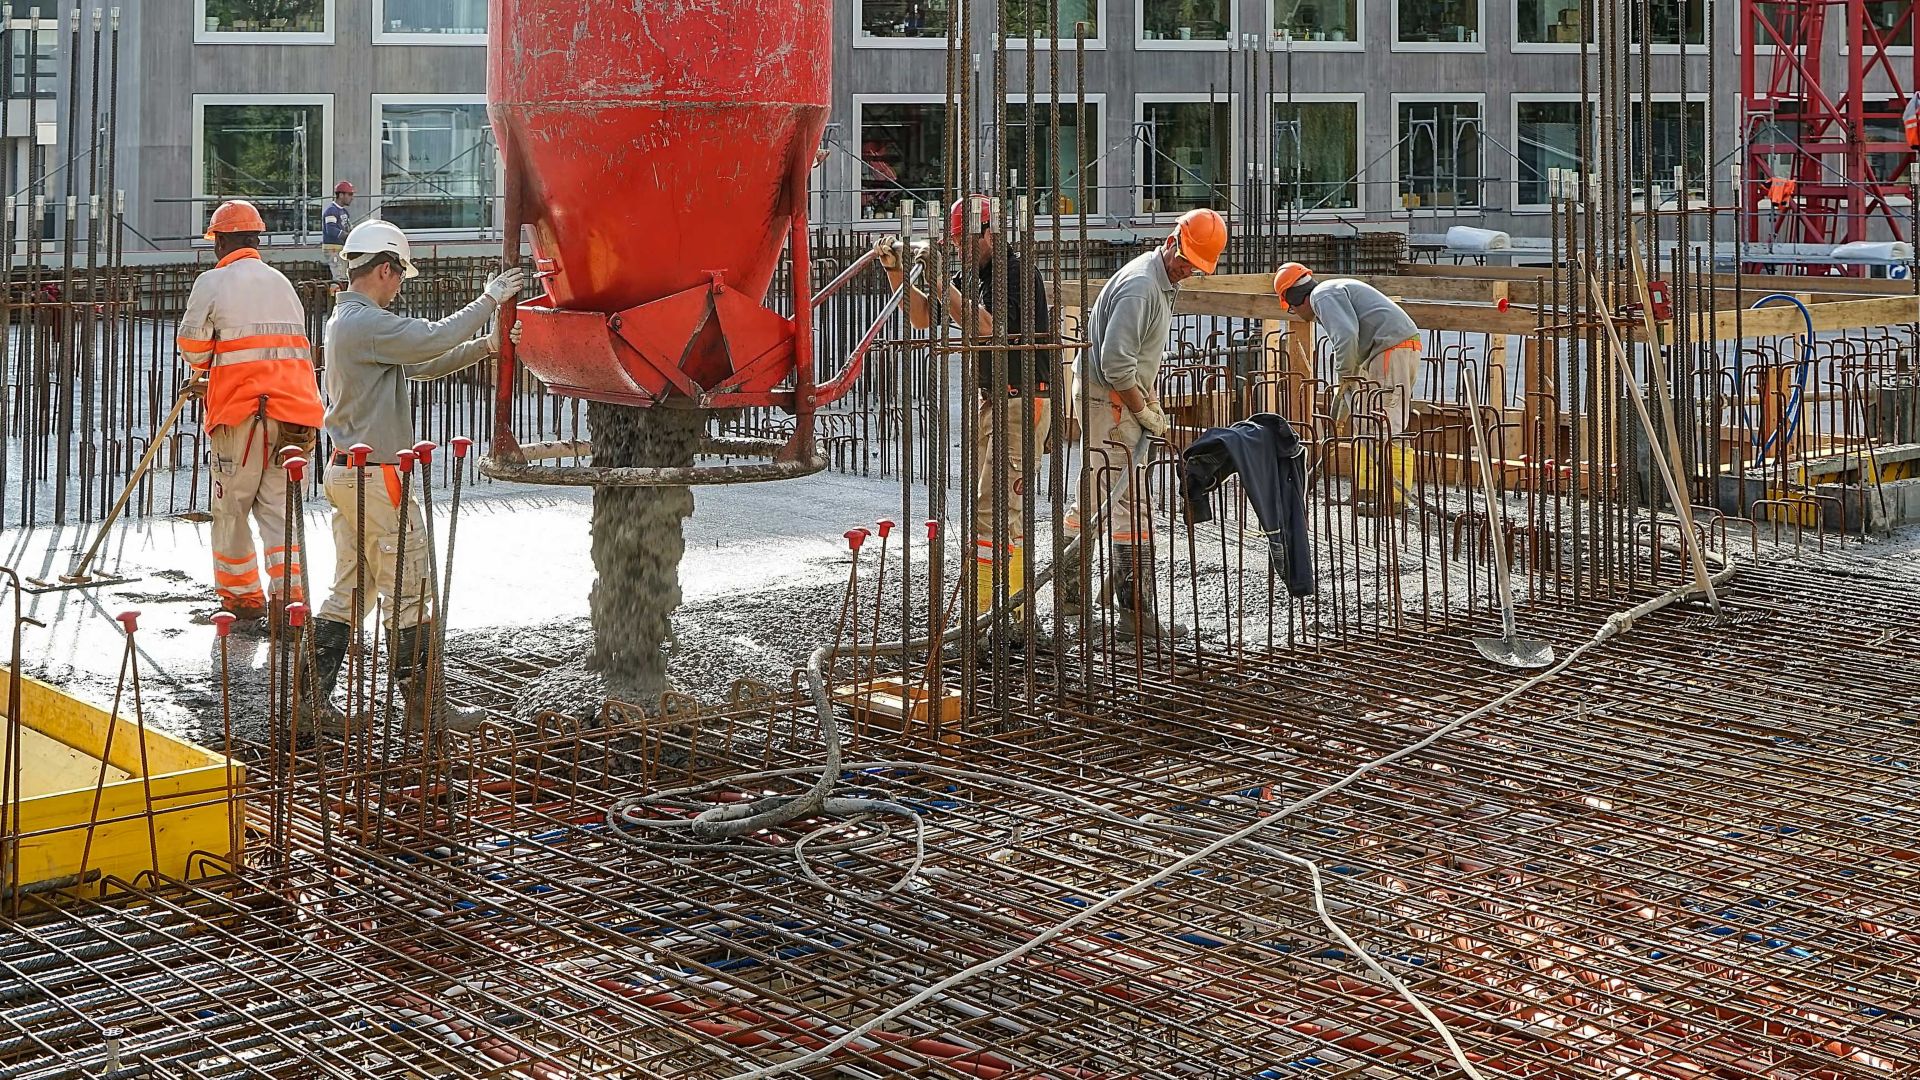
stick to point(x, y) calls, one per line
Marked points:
point(1408, 114)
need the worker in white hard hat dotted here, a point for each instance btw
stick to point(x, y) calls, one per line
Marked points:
point(1374, 341)
point(372, 354)
point(335, 222)
point(245, 330)
point(1023, 383)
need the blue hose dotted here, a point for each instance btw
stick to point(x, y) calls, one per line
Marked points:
point(1786, 432)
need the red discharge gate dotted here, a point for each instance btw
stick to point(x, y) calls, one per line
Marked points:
point(660, 154)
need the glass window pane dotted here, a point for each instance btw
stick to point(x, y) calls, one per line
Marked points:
point(904, 18)
point(1667, 19)
point(1317, 20)
point(1439, 153)
point(1549, 22)
point(1079, 144)
point(435, 16)
point(1186, 20)
point(1185, 156)
point(1670, 120)
point(1439, 20)
point(270, 154)
point(436, 166)
point(1316, 155)
point(1893, 19)
point(36, 75)
point(903, 154)
point(1885, 123)
point(267, 16)
point(1036, 17)
point(1547, 138)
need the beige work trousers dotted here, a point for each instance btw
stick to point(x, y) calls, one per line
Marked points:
point(1395, 371)
point(250, 489)
point(1109, 440)
point(373, 543)
point(1029, 420)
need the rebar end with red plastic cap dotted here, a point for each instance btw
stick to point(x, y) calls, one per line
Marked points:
point(404, 461)
point(296, 467)
point(358, 453)
point(886, 527)
point(128, 619)
point(223, 622)
point(424, 450)
point(461, 444)
point(933, 530)
point(296, 614)
point(855, 537)
point(1502, 304)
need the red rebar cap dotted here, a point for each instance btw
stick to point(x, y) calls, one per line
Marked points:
point(128, 619)
point(424, 450)
point(855, 537)
point(296, 467)
point(933, 529)
point(223, 623)
point(404, 461)
point(461, 444)
point(358, 453)
point(296, 614)
point(886, 528)
point(1502, 304)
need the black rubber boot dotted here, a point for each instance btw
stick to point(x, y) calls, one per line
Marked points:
point(317, 712)
point(409, 672)
point(1133, 596)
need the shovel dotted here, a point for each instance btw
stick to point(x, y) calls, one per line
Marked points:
point(1511, 650)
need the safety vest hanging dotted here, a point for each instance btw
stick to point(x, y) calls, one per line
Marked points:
point(1911, 121)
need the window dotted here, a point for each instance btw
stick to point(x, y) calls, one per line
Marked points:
point(1079, 149)
point(1436, 22)
point(272, 149)
point(1186, 20)
point(292, 22)
point(1668, 19)
point(903, 155)
point(1883, 122)
point(430, 22)
point(1439, 153)
point(1316, 155)
point(1559, 22)
point(1893, 21)
point(436, 163)
point(905, 19)
point(32, 59)
point(1024, 18)
point(1317, 20)
point(1184, 146)
point(1546, 137)
point(1670, 119)
point(1548, 22)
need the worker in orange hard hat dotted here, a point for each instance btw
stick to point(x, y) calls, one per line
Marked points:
point(1910, 120)
point(1013, 384)
point(1374, 341)
point(1127, 332)
point(245, 329)
point(335, 223)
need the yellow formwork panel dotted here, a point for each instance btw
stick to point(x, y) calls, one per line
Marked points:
point(196, 803)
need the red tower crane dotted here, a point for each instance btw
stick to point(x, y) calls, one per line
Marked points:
point(1825, 154)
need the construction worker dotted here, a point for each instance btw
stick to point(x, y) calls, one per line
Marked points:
point(245, 330)
point(1026, 318)
point(335, 223)
point(372, 354)
point(1371, 337)
point(1126, 330)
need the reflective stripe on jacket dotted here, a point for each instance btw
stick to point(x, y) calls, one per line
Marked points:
point(245, 327)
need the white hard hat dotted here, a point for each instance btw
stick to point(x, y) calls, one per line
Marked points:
point(376, 237)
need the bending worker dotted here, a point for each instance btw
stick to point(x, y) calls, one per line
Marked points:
point(1026, 319)
point(245, 329)
point(1127, 331)
point(1371, 337)
point(372, 354)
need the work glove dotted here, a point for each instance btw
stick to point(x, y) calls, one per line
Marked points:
point(1153, 419)
point(1342, 404)
point(506, 285)
point(887, 249)
point(493, 336)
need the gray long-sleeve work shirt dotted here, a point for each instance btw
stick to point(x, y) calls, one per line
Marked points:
point(371, 355)
point(1127, 326)
point(1359, 321)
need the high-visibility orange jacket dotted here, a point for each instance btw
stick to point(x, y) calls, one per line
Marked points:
point(1910, 120)
point(245, 327)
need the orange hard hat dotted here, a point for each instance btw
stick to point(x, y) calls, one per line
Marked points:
point(1285, 278)
point(1202, 235)
point(236, 215)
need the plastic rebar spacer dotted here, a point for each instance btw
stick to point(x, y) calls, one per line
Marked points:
point(128, 619)
point(933, 530)
point(296, 614)
point(855, 537)
point(886, 527)
point(404, 461)
point(461, 444)
point(223, 623)
point(357, 455)
point(424, 450)
point(296, 467)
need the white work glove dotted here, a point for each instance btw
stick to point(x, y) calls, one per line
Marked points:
point(506, 285)
point(493, 337)
point(1153, 419)
point(1342, 405)
point(887, 249)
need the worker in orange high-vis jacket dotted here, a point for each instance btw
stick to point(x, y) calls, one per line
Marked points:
point(245, 330)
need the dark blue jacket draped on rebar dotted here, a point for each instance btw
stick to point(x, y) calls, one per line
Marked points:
point(1272, 465)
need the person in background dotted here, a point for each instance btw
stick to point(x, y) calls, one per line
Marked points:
point(335, 222)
